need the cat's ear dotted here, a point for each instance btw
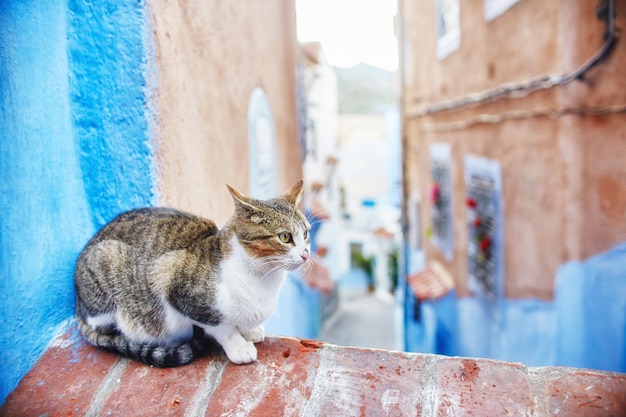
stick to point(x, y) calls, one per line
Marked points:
point(294, 194)
point(244, 206)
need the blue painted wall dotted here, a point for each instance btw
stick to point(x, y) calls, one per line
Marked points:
point(297, 311)
point(111, 65)
point(585, 326)
point(74, 151)
point(591, 302)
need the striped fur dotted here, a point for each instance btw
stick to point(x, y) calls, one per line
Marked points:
point(159, 356)
point(157, 285)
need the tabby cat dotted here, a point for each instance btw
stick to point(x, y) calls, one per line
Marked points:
point(157, 284)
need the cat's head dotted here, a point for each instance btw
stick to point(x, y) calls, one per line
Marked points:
point(273, 231)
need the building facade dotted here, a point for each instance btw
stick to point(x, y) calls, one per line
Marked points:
point(514, 165)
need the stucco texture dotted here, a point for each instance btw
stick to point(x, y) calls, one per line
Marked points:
point(563, 170)
point(211, 55)
point(74, 151)
point(42, 202)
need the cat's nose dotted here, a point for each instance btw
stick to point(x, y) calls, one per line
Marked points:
point(305, 255)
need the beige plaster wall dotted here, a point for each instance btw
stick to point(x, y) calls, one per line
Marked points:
point(211, 55)
point(596, 143)
point(516, 46)
point(564, 186)
point(528, 152)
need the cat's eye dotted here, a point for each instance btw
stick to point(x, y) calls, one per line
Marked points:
point(306, 234)
point(285, 237)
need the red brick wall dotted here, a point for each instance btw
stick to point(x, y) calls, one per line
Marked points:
point(304, 378)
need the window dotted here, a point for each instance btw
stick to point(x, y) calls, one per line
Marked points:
point(494, 8)
point(448, 27)
point(262, 141)
point(356, 254)
point(484, 227)
point(440, 195)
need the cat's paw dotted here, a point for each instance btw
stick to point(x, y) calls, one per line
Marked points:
point(244, 353)
point(255, 335)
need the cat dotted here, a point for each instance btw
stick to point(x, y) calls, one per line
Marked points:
point(157, 284)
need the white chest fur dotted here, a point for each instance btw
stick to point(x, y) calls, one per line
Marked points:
point(246, 296)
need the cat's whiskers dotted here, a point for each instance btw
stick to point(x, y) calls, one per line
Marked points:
point(279, 263)
point(314, 222)
point(267, 266)
point(314, 216)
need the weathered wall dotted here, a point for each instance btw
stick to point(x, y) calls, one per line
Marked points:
point(211, 56)
point(111, 67)
point(593, 147)
point(528, 152)
point(482, 63)
point(520, 44)
point(74, 152)
point(562, 153)
point(563, 175)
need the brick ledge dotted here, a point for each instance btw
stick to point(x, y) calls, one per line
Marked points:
point(296, 377)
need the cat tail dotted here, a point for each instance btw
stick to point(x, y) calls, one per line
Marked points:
point(158, 356)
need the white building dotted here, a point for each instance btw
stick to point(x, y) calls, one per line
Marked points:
point(353, 171)
point(370, 174)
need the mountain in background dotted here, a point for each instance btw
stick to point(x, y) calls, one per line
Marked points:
point(366, 89)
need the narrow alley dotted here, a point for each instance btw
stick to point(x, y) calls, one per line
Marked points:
point(363, 319)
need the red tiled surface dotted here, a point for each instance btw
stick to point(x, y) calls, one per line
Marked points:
point(367, 383)
point(154, 391)
point(480, 388)
point(306, 378)
point(276, 385)
point(63, 382)
point(584, 393)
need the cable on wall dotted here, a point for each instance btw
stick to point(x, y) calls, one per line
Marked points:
point(520, 114)
point(605, 10)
